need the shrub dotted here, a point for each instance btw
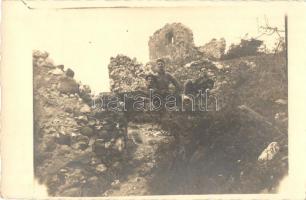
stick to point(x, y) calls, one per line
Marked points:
point(245, 48)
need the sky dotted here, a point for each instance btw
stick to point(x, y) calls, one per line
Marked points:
point(85, 39)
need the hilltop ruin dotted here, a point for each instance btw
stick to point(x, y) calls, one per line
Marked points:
point(83, 151)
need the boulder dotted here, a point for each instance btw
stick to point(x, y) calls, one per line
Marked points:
point(100, 168)
point(40, 54)
point(48, 63)
point(269, 152)
point(68, 109)
point(82, 118)
point(103, 134)
point(99, 147)
point(85, 109)
point(64, 139)
point(68, 86)
point(281, 101)
point(87, 131)
point(69, 73)
point(56, 71)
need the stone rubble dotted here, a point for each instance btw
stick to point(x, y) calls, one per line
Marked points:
point(68, 130)
point(214, 50)
point(127, 74)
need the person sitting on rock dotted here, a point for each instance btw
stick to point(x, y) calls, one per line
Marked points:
point(193, 87)
point(164, 79)
point(161, 82)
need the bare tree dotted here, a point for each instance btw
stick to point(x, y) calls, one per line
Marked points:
point(270, 30)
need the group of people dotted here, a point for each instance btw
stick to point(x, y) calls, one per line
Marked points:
point(160, 81)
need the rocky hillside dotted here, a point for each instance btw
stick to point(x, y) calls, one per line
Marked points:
point(77, 148)
point(242, 147)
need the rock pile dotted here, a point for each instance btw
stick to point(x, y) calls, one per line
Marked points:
point(127, 74)
point(75, 145)
point(196, 69)
point(214, 49)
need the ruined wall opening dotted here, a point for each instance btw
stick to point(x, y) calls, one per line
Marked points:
point(170, 38)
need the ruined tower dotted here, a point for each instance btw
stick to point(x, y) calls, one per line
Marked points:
point(173, 41)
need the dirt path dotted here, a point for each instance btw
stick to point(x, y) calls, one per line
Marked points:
point(144, 141)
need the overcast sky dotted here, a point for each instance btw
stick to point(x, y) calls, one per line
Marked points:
point(85, 39)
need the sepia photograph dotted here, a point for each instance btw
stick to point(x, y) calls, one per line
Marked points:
point(160, 101)
point(152, 100)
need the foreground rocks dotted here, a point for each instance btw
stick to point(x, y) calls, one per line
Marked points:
point(75, 145)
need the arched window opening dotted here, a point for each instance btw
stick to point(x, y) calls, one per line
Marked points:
point(169, 38)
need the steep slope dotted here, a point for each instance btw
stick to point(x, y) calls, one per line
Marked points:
point(76, 147)
point(80, 151)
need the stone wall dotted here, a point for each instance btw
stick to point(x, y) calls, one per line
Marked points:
point(126, 74)
point(174, 41)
